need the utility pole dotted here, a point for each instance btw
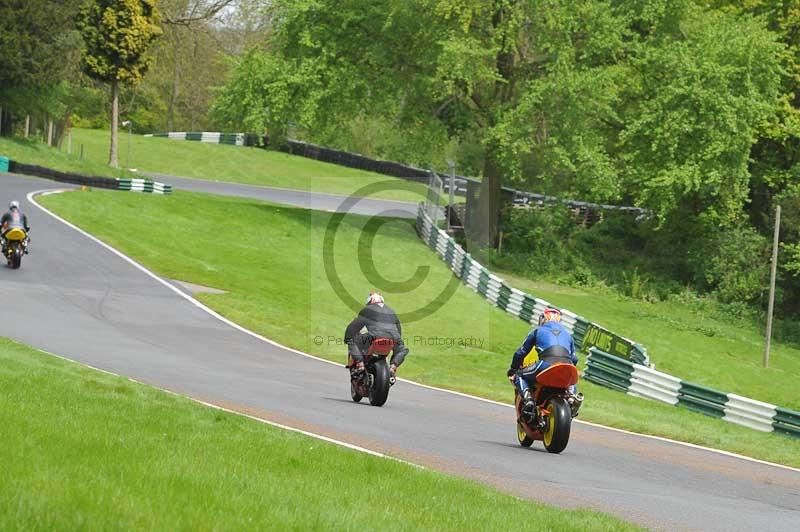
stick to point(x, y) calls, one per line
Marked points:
point(773, 272)
point(451, 201)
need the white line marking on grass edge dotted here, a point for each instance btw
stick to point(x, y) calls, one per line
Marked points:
point(198, 304)
point(237, 413)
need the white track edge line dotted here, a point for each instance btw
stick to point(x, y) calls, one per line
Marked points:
point(266, 421)
point(30, 196)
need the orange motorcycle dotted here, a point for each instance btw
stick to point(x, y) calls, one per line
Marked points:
point(550, 420)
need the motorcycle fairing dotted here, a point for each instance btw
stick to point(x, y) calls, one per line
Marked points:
point(15, 233)
point(559, 375)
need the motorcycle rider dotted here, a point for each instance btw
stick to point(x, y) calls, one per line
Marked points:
point(547, 344)
point(375, 320)
point(14, 218)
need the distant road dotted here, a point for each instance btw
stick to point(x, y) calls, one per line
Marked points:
point(298, 198)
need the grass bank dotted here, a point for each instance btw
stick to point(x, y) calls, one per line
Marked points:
point(32, 151)
point(687, 339)
point(218, 162)
point(84, 449)
point(274, 272)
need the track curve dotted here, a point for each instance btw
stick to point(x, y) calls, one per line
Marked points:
point(79, 300)
point(319, 201)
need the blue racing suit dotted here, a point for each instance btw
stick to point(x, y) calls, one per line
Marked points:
point(552, 342)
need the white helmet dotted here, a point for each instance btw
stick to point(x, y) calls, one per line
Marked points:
point(13, 205)
point(374, 298)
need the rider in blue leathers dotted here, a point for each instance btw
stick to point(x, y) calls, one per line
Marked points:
point(544, 346)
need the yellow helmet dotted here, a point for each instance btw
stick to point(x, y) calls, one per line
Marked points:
point(550, 314)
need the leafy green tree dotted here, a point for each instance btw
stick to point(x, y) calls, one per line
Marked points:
point(37, 52)
point(118, 35)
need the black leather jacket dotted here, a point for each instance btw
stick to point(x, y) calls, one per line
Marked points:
point(14, 218)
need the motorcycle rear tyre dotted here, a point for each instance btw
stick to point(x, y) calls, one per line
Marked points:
point(559, 423)
point(16, 259)
point(379, 392)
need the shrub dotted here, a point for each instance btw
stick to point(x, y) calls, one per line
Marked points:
point(737, 266)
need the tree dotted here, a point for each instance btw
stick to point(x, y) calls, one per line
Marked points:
point(38, 49)
point(657, 103)
point(118, 35)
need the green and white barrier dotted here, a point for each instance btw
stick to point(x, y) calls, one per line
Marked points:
point(634, 379)
point(516, 302)
point(612, 361)
point(211, 137)
point(144, 185)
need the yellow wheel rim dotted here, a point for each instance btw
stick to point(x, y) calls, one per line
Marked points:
point(521, 434)
point(550, 427)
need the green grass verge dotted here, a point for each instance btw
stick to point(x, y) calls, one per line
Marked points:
point(32, 151)
point(219, 162)
point(83, 449)
point(269, 260)
point(692, 342)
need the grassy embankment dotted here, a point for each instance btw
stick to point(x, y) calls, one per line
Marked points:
point(32, 151)
point(255, 166)
point(212, 162)
point(84, 449)
point(276, 281)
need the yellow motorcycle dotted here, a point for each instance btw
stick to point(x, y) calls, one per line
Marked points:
point(15, 245)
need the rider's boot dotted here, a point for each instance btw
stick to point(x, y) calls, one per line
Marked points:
point(528, 406)
point(392, 374)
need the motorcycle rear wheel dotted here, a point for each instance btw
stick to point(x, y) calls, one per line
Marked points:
point(557, 425)
point(16, 259)
point(379, 391)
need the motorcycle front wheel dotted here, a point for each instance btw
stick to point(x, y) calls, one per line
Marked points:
point(557, 425)
point(354, 395)
point(522, 436)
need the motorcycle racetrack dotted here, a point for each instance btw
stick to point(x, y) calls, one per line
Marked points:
point(76, 298)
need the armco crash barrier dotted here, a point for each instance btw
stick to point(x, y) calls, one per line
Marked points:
point(134, 185)
point(517, 303)
point(211, 137)
point(634, 379)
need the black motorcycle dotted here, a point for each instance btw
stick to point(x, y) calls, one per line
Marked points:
point(376, 379)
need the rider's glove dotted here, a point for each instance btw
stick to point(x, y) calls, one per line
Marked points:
point(511, 372)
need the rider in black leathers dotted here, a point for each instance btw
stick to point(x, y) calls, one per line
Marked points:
point(375, 320)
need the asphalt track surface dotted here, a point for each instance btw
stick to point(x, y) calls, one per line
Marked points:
point(77, 299)
point(298, 198)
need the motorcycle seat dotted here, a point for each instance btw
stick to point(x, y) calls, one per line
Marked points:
point(381, 346)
